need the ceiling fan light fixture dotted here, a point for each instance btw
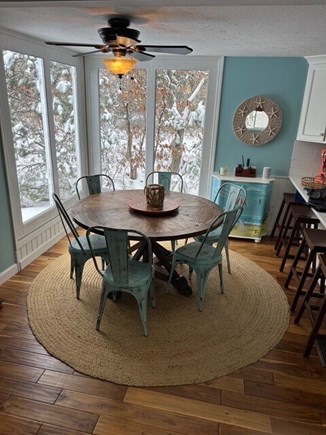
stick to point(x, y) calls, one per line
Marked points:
point(119, 65)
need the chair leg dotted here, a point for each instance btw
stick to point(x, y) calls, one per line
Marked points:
point(142, 306)
point(220, 270)
point(104, 295)
point(79, 267)
point(72, 268)
point(201, 288)
point(226, 247)
point(152, 294)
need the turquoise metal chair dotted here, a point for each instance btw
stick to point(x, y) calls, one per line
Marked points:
point(172, 181)
point(202, 257)
point(78, 245)
point(125, 274)
point(228, 197)
point(95, 183)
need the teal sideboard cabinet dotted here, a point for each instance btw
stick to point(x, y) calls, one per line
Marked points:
point(253, 221)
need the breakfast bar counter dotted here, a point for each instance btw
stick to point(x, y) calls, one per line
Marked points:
point(296, 181)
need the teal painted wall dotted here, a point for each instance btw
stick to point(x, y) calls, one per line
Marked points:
point(281, 79)
point(7, 247)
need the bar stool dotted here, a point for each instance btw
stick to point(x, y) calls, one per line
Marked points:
point(299, 216)
point(282, 215)
point(316, 319)
point(314, 241)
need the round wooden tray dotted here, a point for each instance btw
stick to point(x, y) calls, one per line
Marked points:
point(141, 207)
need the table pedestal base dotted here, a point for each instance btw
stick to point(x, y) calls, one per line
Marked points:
point(162, 265)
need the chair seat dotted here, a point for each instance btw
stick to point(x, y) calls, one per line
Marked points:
point(138, 274)
point(206, 256)
point(98, 244)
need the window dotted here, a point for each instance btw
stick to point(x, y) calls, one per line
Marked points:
point(41, 133)
point(161, 118)
point(27, 116)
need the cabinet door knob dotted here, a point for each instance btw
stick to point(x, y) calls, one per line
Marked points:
point(323, 134)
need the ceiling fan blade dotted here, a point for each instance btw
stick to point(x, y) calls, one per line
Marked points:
point(74, 44)
point(140, 56)
point(173, 49)
point(103, 50)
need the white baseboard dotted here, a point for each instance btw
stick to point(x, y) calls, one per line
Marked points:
point(8, 273)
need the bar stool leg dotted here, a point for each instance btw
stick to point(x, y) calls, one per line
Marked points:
point(282, 226)
point(284, 232)
point(295, 262)
point(308, 295)
point(315, 329)
point(278, 217)
point(298, 292)
point(289, 244)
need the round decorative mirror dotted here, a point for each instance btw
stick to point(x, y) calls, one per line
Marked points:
point(257, 121)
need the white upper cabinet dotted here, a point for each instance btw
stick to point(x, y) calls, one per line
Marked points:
point(312, 125)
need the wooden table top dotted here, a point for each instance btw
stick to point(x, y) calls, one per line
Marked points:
point(111, 209)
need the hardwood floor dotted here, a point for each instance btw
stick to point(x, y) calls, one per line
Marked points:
point(280, 394)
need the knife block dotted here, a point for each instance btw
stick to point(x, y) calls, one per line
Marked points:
point(245, 172)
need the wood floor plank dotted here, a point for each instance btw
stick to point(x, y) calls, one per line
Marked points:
point(15, 314)
point(308, 385)
point(291, 411)
point(17, 331)
point(19, 372)
point(227, 383)
point(14, 296)
point(55, 415)
point(197, 392)
point(226, 429)
point(167, 421)
point(29, 390)
point(194, 408)
point(288, 427)
point(108, 425)
point(26, 344)
point(87, 385)
point(250, 373)
point(286, 395)
point(10, 424)
point(48, 429)
point(34, 360)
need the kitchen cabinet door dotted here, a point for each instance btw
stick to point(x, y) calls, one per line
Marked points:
point(312, 125)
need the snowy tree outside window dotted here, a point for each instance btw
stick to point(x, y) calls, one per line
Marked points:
point(27, 101)
point(179, 125)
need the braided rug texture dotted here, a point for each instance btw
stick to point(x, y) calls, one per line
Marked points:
point(184, 346)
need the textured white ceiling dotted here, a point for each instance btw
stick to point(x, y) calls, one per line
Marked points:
point(212, 27)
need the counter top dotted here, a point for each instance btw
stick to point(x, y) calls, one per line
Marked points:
point(244, 179)
point(296, 181)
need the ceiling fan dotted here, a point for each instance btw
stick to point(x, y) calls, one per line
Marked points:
point(122, 41)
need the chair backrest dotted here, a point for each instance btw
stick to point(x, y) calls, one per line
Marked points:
point(95, 183)
point(170, 180)
point(230, 195)
point(227, 220)
point(117, 242)
point(66, 221)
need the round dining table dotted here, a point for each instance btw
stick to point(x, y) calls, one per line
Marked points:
point(183, 216)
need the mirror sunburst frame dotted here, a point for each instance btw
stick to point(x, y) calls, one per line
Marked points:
point(257, 136)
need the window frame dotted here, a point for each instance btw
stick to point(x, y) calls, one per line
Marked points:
point(18, 43)
point(214, 66)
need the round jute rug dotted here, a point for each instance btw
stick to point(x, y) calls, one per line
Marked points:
point(184, 346)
